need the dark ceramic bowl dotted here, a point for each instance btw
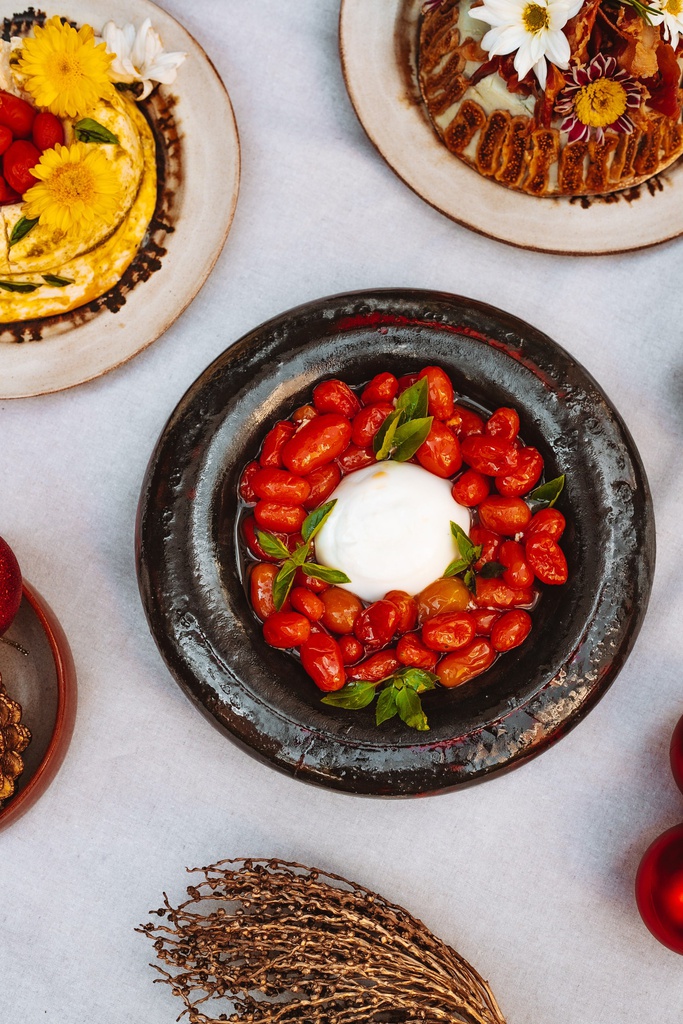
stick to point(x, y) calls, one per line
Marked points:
point(44, 682)
point(190, 579)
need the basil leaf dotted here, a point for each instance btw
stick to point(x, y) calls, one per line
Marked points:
point(383, 440)
point(273, 547)
point(410, 437)
point(455, 568)
point(415, 399)
point(465, 545)
point(470, 581)
point(491, 570)
point(283, 584)
point(419, 679)
point(547, 494)
point(410, 710)
point(314, 521)
point(322, 572)
point(55, 281)
point(386, 705)
point(21, 229)
point(88, 130)
point(352, 696)
point(19, 286)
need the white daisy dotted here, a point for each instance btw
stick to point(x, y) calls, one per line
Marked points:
point(532, 28)
point(140, 56)
point(668, 14)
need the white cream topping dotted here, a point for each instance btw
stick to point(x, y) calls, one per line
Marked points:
point(390, 529)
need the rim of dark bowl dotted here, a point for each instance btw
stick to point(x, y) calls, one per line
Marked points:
point(189, 573)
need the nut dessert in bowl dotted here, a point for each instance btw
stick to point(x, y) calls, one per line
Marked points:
point(555, 97)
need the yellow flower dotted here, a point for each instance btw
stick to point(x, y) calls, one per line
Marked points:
point(76, 186)
point(65, 72)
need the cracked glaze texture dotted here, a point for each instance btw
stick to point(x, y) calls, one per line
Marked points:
point(189, 570)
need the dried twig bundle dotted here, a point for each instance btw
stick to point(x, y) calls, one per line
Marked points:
point(272, 942)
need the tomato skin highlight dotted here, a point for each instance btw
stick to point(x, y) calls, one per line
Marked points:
point(284, 518)
point(504, 424)
point(47, 131)
point(549, 522)
point(303, 414)
point(318, 442)
point(449, 631)
point(275, 440)
point(405, 382)
point(341, 610)
point(521, 480)
point(498, 594)
point(510, 630)
point(376, 624)
point(465, 423)
point(305, 601)
point(6, 139)
point(246, 489)
point(382, 388)
point(286, 629)
point(355, 458)
point(440, 452)
point(411, 651)
point(310, 582)
point(368, 421)
point(547, 560)
point(249, 533)
point(440, 403)
point(17, 163)
point(17, 115)
point(444, 595)
point(406, 607)
point(352, 649)
point(484, 619)
point(506, 516)
point(278, 485)
point(489, 455)
point(261, 582)
point(471, 488)
point(335, 396)
point(458, 668)
point(377, 666)
point(518, 572)
point(490, 543)
point(322, 482)
point(322, 659)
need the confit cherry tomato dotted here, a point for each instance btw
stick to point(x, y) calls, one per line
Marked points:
point(659, 888)
point(518, 572)
point(270, 515)
point(524, 477)
point(405, 382)
point(445, 595)
point(377, 666)
point(471, 488)
point(406, 607)
point(548, 521)
point(449, 631)
point(17, 163)
point(335, 396)
point(7, 194)
point(675, 754)
point(305, 601)
point(322, 659)
point(17, 115)
point(376, 624)
point(547, 559)
point(506, 516)
point(286, 629)
point(355, 458)
point(352, 649)
point(318, 442)
point(281, 486)
point(484, 619)
point(461, 666)
point(303, 414)
point(440, 402)
point(322, 482)
point(249, 528)
point(440, 453)
point(489, 455)
point(6, 138)
point(510, 630)
point(410, 650)
point(465, 423)
point(310, 582)
point(275, 440)
point(246, 489)
point(490, 543)
point(47, 131)
point(341, 610)
point(504, 424)
point(382, 388)
point(261, 589)
point(368, 421)
point(498, 594)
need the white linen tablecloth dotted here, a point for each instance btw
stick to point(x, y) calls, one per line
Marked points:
point(530, 875)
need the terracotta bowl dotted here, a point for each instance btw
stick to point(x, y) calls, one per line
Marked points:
point(44, 683)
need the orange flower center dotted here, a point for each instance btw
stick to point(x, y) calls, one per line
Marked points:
point(600, 103)
point(72, 183)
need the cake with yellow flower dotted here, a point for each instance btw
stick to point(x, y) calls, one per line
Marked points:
point(556, 97)
point(78, 180)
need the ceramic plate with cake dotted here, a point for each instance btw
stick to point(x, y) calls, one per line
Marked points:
point(115, 197)
point(553, 125)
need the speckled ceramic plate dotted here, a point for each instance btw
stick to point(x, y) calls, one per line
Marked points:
point(382, 82)
point(199, 157)
point(43, 681)
point(189, 570)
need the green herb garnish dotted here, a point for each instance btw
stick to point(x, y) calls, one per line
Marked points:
point(406, 428)
point(21, 229)
point(55, 281)
point(398, 695)
point(547, 494)
point(469, 554)
point(88, 130)
point(19, 286)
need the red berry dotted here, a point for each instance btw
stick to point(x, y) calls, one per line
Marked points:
point(10, 586)
point(659, 888)
point(6, 138)
point(16, 114)
point(47, 131)
point(17, 163)
point(7, 195)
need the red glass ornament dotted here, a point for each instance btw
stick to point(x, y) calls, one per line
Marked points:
point(659, 888)
point(676, 754)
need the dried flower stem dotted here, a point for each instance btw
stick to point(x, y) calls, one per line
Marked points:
point(268, 942)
